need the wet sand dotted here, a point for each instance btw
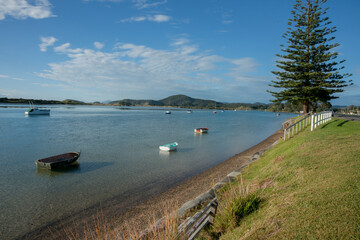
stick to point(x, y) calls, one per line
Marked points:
point(141, 212)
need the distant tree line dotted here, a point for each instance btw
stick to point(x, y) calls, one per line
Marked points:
point(39, 101)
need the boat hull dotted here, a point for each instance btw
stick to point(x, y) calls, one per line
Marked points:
point(58, 161)
point(201, 130)
point(35, 111)
point(169, 147)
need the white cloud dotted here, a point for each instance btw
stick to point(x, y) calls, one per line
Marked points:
point(135, 70)
point(21, 9)
point(141, 4)
point(159, 18)
point(151, 18)
point(180, 41)
point(12, 78)
point(46, 42)
point(11, 93)
point(99, 45)
point(65, 49)
point(244, 65)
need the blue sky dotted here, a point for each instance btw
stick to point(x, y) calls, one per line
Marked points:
point(98, 50)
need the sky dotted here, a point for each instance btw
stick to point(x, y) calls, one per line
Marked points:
point(100, 50)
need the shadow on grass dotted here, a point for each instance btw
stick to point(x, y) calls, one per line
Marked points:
point(327, 124)
point(342, 123)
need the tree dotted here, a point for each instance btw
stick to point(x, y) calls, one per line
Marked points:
point(308, 70)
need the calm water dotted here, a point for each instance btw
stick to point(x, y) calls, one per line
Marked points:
point(120, 160)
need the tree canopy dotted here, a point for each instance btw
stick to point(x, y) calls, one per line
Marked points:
point(309, 73)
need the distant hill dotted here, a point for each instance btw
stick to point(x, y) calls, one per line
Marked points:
point(172, 101)
point(185, 101)
point(39, 101)
point(132, 102)
point(189, 102)
point(71, 101)
point(180, 100)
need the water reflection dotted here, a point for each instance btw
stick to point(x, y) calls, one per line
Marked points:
point(85, 167)
point(74, 168)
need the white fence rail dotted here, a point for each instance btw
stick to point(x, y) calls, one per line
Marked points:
point(314, 120)
point(320, 118)
point(297, 126)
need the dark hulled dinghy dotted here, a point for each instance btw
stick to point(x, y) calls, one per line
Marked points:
point(58, 161)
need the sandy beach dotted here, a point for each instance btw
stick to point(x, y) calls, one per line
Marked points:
point(141, 213)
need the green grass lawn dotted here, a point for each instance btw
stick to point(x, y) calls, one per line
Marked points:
point(309, 187)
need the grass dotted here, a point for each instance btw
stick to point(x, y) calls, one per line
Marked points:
point(310, 187)
point(235, 203)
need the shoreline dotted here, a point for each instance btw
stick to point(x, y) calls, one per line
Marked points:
point(143, 211)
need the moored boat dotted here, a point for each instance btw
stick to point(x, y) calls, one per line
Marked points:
point(58, 161)
point(201, 130)
point(189, 111)
point(167, 112)
point(169, 147)
point(37, 111)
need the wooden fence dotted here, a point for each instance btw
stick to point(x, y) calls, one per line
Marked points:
point(297, 126)
point(293, 126)
point(320, 118)
point(193, 225)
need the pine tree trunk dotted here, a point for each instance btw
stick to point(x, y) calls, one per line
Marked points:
point(305, 107)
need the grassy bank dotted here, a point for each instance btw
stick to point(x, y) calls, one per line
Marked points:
point(309, 188)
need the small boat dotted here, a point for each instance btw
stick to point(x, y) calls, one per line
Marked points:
point(37, 111)
point(168, 112)
point(189, 111)
point(201, 130)
point(214, 112)
point(58, 161)
point(169, 147)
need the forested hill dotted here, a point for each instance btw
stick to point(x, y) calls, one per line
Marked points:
point(39, 101)
point(171, 101)
point(189, 102)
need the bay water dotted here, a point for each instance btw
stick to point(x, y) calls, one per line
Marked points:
point(120, 160)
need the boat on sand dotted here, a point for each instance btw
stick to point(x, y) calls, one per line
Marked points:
point(58, 161)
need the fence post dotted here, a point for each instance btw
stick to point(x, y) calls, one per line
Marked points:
point(289, 133)
point(312, 122)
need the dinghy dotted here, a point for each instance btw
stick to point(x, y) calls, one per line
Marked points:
point(169, 147)
point(58, 161)
point(201, 130)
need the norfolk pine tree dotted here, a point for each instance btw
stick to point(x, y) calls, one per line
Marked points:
point(309, 73)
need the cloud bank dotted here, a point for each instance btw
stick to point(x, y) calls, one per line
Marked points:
point(131, 70)
point(21, 9)
point(159, 18)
